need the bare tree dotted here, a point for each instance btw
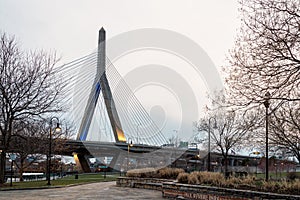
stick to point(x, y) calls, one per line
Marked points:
point(285, 126)
point(28, 89)
point(232, 131)
point(266, 53)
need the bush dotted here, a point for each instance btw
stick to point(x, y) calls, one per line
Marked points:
point(210, 178)
point(169, 173)
point(183, 177)
point(166, 173)
point(193, 178)
point(213, 178)
point(142, 173)
point(218, 180)
point(233, 182)
point(248, 182)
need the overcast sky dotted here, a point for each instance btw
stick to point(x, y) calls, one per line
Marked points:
point(71, 28)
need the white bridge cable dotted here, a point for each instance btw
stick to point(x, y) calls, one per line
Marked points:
point(132, 111)
point(104, 119)
point(78, 78)
point(68, 73)
point(131, 105)
point(124, 106)
point(80, 86)
point(100, 129)
point(81, 82)
point(75, 63)
point(128, 123)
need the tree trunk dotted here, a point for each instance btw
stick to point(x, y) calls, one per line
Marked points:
point(226, 167)
point(2, 166)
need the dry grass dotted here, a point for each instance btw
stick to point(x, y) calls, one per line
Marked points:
point(164, 173)
point(169, 173)
point(248, 182)
point(210, 178)
point(142, 173)
point(288, 187)
point(183, 177)
point(218, 180)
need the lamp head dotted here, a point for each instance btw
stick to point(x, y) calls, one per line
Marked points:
point(57, 128)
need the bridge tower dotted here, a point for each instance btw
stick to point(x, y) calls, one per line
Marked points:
point(101, 84)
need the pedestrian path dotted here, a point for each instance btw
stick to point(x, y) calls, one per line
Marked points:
point(101, 190)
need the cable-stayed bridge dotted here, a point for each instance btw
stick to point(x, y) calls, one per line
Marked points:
point(113, 123)
point(97, 93)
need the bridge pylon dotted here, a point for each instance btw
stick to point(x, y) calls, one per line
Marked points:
point(101, 85)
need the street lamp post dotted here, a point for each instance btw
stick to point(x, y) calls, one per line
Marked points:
point(57, 129)
point(267, 105)
point(208, 156)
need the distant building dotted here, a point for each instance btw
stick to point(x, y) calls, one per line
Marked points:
point(193, 160)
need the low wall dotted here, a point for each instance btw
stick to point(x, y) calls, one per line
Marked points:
point(145, 183)
point(187, 191)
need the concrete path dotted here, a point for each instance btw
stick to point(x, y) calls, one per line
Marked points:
point(102, 190)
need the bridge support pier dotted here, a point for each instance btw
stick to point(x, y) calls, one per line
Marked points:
point(82, 163)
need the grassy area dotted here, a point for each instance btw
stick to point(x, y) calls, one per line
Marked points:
point(69, 180)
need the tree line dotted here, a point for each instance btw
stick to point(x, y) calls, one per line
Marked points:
point(263, 65)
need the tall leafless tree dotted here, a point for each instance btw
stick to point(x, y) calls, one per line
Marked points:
point(231, 134)
point(266, 53)
point(234, 127)
point(285, 126)
point(28, 89)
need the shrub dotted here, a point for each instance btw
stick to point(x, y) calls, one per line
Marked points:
point(249, 181)
point(232, 182)
point(210, 178)
point(272, 186)
point(169, 173)
point(142, 173)
point(183, 177)
point(294, 187)
point(218, 179)
point(213, 178)
point(193, 178)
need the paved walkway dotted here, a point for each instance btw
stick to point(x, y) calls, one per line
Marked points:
point(102, 190)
